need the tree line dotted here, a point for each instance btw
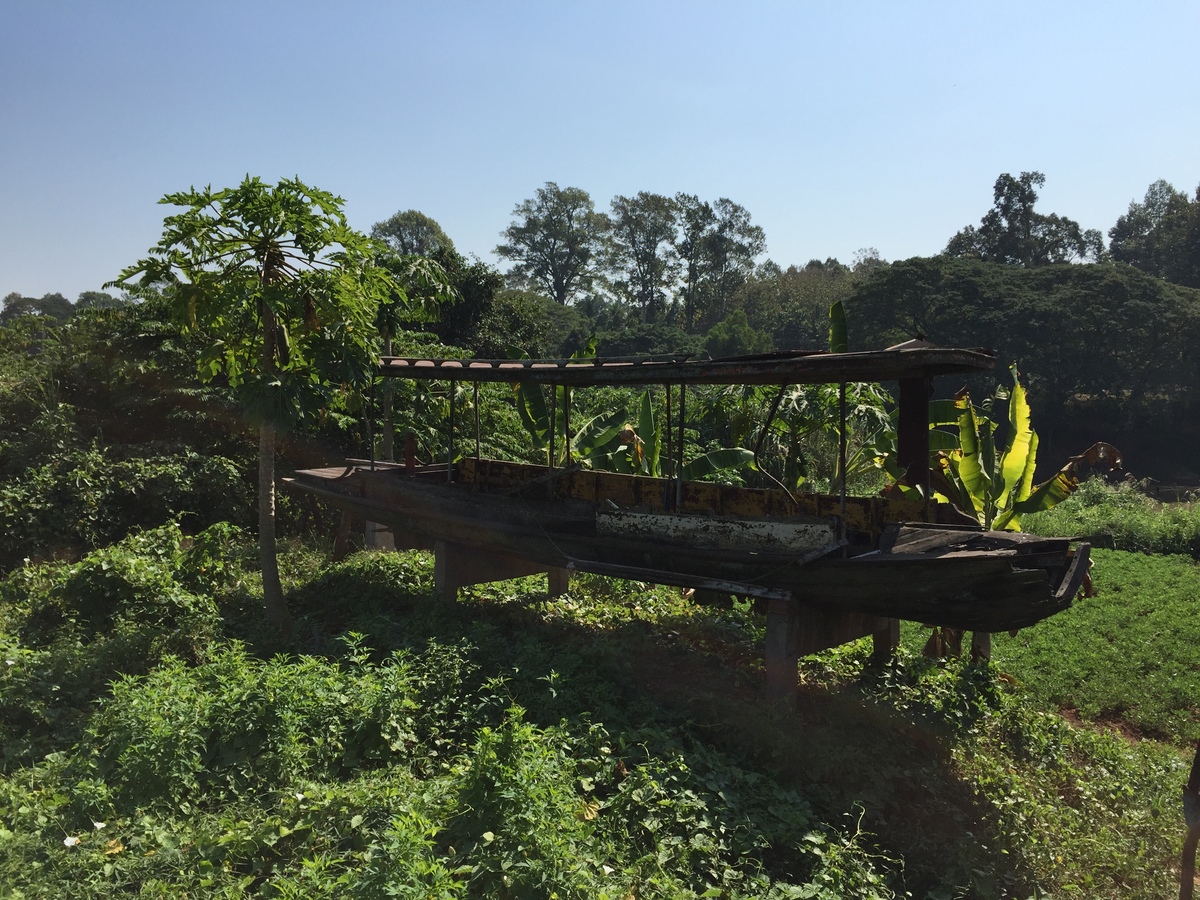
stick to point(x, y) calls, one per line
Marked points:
point(1106, 328)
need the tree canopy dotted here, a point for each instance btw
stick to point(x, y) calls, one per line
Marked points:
point(643, 258)
point(54, 306)
point(412, 233)
point(1013, 232)
point(717, 246)
point(556, 241)
point(1161, 235)
point(1110, 353)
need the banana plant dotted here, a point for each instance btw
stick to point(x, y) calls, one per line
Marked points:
point(609, 441)
point(993, 483)
point(585, 440)
point(638, 451)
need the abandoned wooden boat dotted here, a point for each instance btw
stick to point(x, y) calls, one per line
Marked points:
point(888, 558)
point(831, 567)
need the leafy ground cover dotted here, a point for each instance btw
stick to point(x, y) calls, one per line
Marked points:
point(609, 743)
point(1126, 656)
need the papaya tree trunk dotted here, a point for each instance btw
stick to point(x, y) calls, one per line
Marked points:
point(277, 611)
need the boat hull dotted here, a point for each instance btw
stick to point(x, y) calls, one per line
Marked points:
point(938, 575)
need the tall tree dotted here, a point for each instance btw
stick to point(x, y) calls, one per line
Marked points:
point(98, 300)
point(412, 233)
point(696, 219)
point(556, 241)
point(732, 248)
point(1013, 232)
point(717, 246)
point(284, 293)
point(1161, 235)
point(54, 306)
point(642, 258)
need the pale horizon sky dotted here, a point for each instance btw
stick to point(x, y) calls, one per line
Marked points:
point(839, 126)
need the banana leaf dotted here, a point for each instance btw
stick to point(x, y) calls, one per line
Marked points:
point(838, 342)
point(973, 468)
point(1020, 457)
point(718, 461)
point(651, 440)
point(597, 432)
point(531, 407)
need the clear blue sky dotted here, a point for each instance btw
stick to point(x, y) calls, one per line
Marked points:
point(838, 125)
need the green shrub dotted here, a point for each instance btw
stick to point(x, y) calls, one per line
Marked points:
point(68, 630)
point(82, 499)
point(238, 726)
point(1121, 517)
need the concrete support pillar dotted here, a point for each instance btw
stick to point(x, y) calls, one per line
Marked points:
point(378, 537)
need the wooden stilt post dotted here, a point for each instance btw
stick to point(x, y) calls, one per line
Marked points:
point(981, 646)
point(558, 581)
point(443, 575)
point(912, 432)
point(341, 540)
point(781, 658)
point(885, 641)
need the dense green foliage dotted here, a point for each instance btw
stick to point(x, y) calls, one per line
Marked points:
point(1109, 353)
point(604, 744)
point(1082, 660)
point(1121, 517)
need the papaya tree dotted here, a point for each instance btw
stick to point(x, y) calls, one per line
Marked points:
point(284, 295)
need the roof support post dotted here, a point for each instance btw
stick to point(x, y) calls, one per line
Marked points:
point(450, 438)
point(682, 422)
point(912, 438)
point(476, 402)
point(553, 421)
point(671, 472)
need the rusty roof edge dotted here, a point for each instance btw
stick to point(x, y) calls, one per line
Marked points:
point(781, 367)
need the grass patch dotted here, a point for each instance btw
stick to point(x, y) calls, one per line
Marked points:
point(1127, 655)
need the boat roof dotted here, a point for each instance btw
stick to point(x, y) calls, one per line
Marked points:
point(913, 359)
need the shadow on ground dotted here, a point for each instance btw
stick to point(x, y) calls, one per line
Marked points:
point(859, 763)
